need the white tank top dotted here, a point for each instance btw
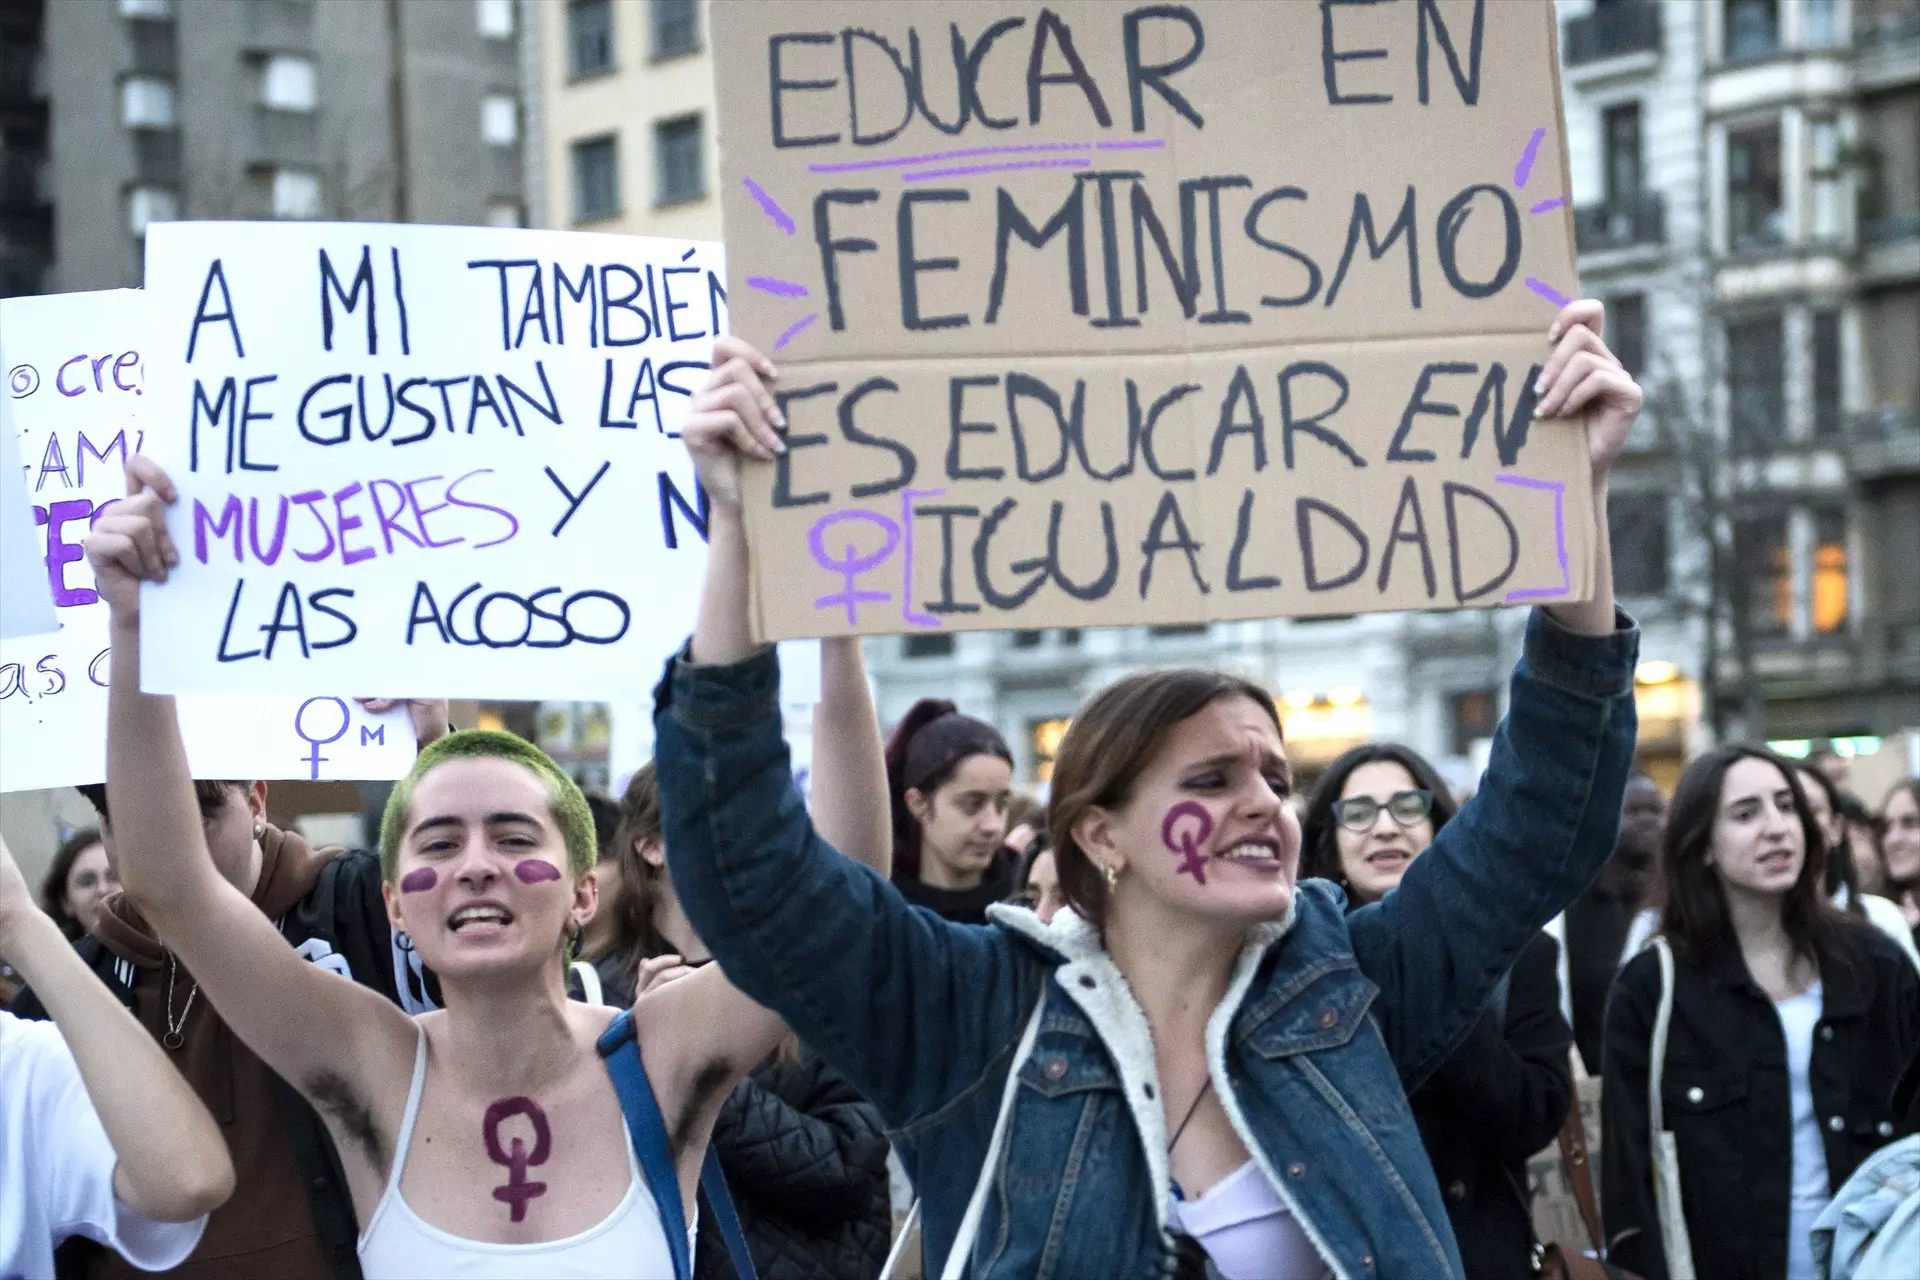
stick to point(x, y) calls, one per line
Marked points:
point(1247, 1231)
point(399, 1245)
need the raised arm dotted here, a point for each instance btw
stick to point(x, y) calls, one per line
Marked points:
point(172, 1163)
point(1545, 818)
point(301, 1019)
point(871, 984)
point(849, 760)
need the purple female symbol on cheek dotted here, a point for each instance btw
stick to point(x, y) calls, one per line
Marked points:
point(535, 871)
point(419, 880)
point(1195, 824)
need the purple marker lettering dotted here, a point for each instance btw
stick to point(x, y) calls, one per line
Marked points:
point(1547, 291)
point(1548, 206)
point(419, 880)
point(388, 525)
point(855, 564)
point(769, 205)
point(347, 524)
point(795, 329)
point(535, 871)
point(1198, 824)
point(516, 1157)
point(907, 612)
point(1524, 170)
point(777, 287)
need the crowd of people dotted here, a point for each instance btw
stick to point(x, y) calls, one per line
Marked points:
point(1191, 1018)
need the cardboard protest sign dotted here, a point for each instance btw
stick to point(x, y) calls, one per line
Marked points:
point(75, 389)
point(1095, 313)
point(447, 455)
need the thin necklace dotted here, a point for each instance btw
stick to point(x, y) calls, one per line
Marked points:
point(1204, 1086)
point(173, 1039)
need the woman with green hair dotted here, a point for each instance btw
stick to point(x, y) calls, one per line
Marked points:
point(485, 1139)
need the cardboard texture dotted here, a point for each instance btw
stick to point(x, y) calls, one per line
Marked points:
point(1105, 314)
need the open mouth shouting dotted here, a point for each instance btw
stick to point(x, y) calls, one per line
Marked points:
point(479, 919)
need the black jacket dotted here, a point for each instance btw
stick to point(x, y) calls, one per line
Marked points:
point(1727, 1099)
point(806, 1161)
point(1499, 1098)
point(341, 924)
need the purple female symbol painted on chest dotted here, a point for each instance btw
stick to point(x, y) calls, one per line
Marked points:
point(1184, 829)
point(516, 1157)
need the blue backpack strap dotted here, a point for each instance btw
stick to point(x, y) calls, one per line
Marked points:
point(648, 1130)
point(720, 1204)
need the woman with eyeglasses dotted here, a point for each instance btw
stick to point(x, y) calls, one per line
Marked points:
point(1503, 1093)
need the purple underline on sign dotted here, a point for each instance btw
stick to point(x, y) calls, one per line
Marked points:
point(924, 175)
point(974, 153)
point(1558, 489)
point(1547, 291)
point(1548, 206)
point(1524, 170)
point(777, 287)
point(795, 329)
point(768, 203)
point(1132, 144)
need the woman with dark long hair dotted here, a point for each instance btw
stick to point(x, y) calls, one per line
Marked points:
point(1842, 881)
point(1789, 1024)
point(1198, 1047)
point(949, 781)
point(1898, 830)
point(78, 880)
point(1502, 1094)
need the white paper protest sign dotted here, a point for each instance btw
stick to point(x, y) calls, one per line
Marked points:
point(26, 604)
point(75, 393)
point(447, 455)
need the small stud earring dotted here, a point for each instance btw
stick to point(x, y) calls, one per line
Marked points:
point(259, 830)
point(1113, 876)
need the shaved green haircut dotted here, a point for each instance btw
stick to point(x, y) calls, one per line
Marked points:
point(567, 803)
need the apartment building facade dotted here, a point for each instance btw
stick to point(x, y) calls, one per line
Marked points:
point(387, 110)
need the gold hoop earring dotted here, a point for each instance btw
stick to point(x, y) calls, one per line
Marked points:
point(1113, 876)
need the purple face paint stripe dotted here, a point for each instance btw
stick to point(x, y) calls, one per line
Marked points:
point(795, 329)
point(777, 287)
point(1524, 170)
point(419, 880)
point(1547, 291)
point(963, 153)
point(1558, 489)
point(535, 871)
point(768, 203)
point(925, 175)
point(1548, 206)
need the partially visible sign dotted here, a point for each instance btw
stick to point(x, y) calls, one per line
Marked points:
point(26, 603)
point(75, 391)
point(1093, 314)
point(448, 455)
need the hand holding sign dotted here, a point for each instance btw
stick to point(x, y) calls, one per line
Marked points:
point(130, 544)
point(1585, 379)
point(732, 415)
point(429, 716)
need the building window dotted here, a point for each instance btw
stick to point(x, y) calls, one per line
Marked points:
point(146, 8)
point(676, 28)
point(287, 83)
point(1621, 125)
point(1752, 29)
point(680, 168)
point(1826, 374)
point(1169, 633)
point(1823, 171)
point(1472, 716)
point(1027, 639)
point(1070, 636)
point(1830, 603)
point(1043, 740)
point(504, 213)
point(1627, 330)
point(494, 18)
point(589, 37)
point(500, 119)
point(296, 194)
point(1755, 215)
point(927, 644)
point(596, 180)
point(1764, 565)
point(1637, 526)
point(1822, 24)
point(151, 204)
point(1756, 379)
point(146, 102)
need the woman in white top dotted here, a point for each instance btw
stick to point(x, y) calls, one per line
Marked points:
point(485, 1139)
point(1791, 1021)
point(99, 1135)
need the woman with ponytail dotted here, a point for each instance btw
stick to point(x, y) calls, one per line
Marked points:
point(949, 777)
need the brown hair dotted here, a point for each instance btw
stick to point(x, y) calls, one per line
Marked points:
point(639, 823)
point(211, 797)
point(927, 748)
point(1106, 749)
point(1692, 902)
point(53, 888)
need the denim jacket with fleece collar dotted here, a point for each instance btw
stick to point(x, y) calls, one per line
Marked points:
point(1022, 1044)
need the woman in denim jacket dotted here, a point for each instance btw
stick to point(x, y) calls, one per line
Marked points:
point(1196, 1022)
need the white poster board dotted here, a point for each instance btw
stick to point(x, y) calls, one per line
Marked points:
point(445, 455)
point(75, 393)
point(26, 602)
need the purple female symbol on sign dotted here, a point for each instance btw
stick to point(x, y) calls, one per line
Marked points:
point(314, 758)
point(518, 1190)
point(1184, 829)
point(855, 564)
